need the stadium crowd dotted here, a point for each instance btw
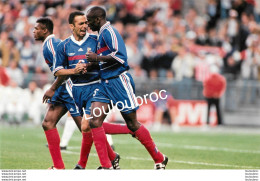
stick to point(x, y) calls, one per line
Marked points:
point(164, 40)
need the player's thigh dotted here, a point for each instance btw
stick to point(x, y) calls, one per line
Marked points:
point(85, 123)
point(78, 121)
point(131, 121)
point(54, 113)
point(99, 112)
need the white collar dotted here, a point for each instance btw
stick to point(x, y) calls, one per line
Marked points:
point(47, 38)
point(103, 27)
point(81, 41)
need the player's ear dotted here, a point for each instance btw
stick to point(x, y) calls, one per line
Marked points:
point(72, 27)
point(45, 30)
point(98, 20)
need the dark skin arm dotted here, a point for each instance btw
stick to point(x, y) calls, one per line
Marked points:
point(92, 65)
point(62, 76)
point(93, 57)
point(50, 92)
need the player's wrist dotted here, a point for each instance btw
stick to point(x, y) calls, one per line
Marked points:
point(53, 88)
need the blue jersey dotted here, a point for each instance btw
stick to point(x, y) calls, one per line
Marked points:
point(62, 95)
point(70, 52)
point(111, 43)
point(49, 49)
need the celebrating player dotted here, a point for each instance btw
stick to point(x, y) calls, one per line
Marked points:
point(117, 86)
point(71, 52)
point(61, 100)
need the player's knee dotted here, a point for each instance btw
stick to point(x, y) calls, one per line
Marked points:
point(47, 124)
point(133, 126)
point(95, 123)
point(85, 127)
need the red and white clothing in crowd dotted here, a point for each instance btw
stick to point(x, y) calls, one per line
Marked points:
point(214, 86)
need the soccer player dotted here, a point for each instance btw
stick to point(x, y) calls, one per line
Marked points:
point(61, 101)
point(70, 53)
point(117, 86)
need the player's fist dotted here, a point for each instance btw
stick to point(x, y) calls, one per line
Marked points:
point(91, 56)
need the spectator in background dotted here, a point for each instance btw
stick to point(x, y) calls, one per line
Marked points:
point(202, 67)
point(214, 88)
point(213, 39)
point(183, 68)
point(163, 60)
point(232, 63)
point(244, 31)
point(148, 60)
point(176, 6)
point(257, 12)
point(15, 73)
point(14, 107)
point(201, 35)
point(232, 28)
point(27, 55)
point(239, 6)
point(249, 68)
point(213, 9)
point(225, 7)
point(162, 108)
point(33, 102)
point(41, 77)
point(4, 78)
point(9, 51)
point(231, 71)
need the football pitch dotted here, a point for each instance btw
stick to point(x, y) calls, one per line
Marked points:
point(24, 148)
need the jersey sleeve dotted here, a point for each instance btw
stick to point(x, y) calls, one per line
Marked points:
point(116, 47)
point(48, 56)
point(49, 53)
point(60, 58)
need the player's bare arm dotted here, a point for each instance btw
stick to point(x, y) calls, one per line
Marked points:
point(77, 70)
point(93, 57)
point(56, 84)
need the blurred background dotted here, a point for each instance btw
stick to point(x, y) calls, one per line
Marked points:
point(172, 45)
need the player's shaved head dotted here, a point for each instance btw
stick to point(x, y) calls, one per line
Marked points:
point(97, 12)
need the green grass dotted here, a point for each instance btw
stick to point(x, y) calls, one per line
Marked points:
point(24, 148)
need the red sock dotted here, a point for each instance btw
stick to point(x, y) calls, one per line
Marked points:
point(86, 144)
point(99, 138)
point(110, 151)
point(53, 140)
point(116, 128)
point(143, 135)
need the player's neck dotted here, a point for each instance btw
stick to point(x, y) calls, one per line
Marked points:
point(78, 38)
point(102, 23)
point(46, 36)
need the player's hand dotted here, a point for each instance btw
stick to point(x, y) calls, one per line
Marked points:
point(91, 56)
point(48, 95)
point(80, 68)
point(87, 67)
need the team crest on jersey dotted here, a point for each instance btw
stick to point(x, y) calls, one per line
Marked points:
point(71, 54)
point(80, 50)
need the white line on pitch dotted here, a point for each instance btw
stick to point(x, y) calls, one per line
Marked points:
point(208, 148)
point(194, 147)
point(197, 147)
point(176, 161)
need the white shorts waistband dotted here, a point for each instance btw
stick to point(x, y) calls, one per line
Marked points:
point(89, 83)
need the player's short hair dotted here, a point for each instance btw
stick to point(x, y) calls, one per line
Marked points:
point(73, 15)
point(47, 22)
point(98, 11)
